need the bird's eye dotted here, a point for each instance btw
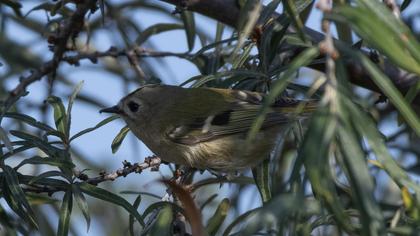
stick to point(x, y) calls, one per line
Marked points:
point(134, 107)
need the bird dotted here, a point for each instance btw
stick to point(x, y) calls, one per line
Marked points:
point(207, 128)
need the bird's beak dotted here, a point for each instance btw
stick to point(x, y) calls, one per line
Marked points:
point(114, 109)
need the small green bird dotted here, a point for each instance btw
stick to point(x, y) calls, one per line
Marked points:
point(206, 128)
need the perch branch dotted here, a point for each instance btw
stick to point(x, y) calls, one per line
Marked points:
point(149, 162)
point(114, 52)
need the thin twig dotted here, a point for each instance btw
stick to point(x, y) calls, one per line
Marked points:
point(114, 52)
point(149, 162)
point(152, 162)
point(69, 29)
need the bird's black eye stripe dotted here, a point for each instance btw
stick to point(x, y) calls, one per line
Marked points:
point(134, 107)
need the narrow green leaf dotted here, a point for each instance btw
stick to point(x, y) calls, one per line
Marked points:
point(271, 39)
point(293, 12)
point(65, 213)
point(367, 127)
point(37, 160)
point(28, 120)
point(55, 183)
point(142, 193)
point(156, 29)
point(381, 29)
point(159, 205)
point(46, 175)
point(240, 219)
point(261, 174)
point(343, 29)
point(22, 207)
point(100, 124)
point(82, 203)
point(219, 216)
point(136, 205)
point(41, 144)
point(386, 86)
point(163, 223)
point(60, 116)
point(39, 199)
point(13, 204)
point(412, 92)
point(189, 25)
point(213, 45)
point(305, 8)
point(276, 211)
point(105, 195)
point(239, 60)
point(25, 146)
point(241, 180)
point(314, 150)
point(116, 143)
point(248, 17)
point(303, 59)
point(359, 176)
point(267, 11)
point(208, 201)
point(73, 96)
point(201, 80)
point(6, 141)
point(220, 28)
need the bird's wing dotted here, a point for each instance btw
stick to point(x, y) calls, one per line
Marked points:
point(244, 108)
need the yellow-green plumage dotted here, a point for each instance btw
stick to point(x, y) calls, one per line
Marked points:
point(206, 128)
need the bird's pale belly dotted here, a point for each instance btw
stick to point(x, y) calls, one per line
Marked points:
point(226, 154)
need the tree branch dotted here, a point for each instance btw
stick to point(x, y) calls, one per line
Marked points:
point(68, 30)
point(114, 52)
point(149, 162)
point(227, 11)
point(152, 162)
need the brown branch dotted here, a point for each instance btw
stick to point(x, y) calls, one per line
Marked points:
point(152, 162)
point(114, 52)
point(227, 11)
point(149, 162)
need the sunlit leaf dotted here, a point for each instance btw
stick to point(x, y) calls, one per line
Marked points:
point(73, 95)
point(60, 116)
point(218, 217)
point(261, 175)
point(163, 223)
point(116, 143)
point(65, 213)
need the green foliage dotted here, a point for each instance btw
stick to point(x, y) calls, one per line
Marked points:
point(341, 172)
